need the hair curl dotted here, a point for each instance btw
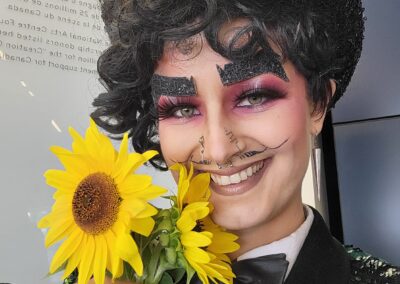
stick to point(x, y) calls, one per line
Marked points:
point(322, 38)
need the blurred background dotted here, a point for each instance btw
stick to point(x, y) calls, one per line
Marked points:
point(48, 53)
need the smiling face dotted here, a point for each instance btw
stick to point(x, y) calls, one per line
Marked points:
point(252, 135)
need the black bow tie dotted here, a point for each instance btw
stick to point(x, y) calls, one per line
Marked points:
point(268, 269)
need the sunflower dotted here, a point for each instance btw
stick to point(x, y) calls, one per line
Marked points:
point(204, 243)
point(98, 202)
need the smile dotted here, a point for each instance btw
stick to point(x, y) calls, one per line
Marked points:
point(239, 176)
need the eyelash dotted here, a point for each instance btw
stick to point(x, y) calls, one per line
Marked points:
point(168, 107)
point(268, 95)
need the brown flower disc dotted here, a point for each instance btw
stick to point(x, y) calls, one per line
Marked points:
point(95, 203)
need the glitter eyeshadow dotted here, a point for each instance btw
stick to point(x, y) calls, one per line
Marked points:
point(263, 62)
point(171, 86)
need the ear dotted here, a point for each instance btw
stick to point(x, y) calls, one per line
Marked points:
point(319, 117)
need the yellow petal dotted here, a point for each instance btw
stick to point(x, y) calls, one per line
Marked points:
point(192, 213)
point(123, 154)
point(100, 259)
point(112, 257)
point(73, 163)
point(75, 258)
point(200, 272)
point(151, 192)
point(182, 183)
point(128, 251)
point(86, 264)
point(61, 180)
point(223, 242)
point(66, 249)
point(135, 183)
point(190, 172)
point(55, 217)
point(147, 212)
point(142, 226)
point(134, 161)
point(197, 254)
point(133, 206)
point(78, 144)
point(214, 273)
point(58, 232)
point(195, 239)
point(100, 147)
point(182, 192)
point(119, 227)
point(44, 222)
point(199, 188)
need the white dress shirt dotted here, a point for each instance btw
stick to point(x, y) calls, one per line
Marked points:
point(289, 245)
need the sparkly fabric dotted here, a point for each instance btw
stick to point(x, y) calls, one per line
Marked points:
point(264, 62)
point(368, 269)
point(171, 86)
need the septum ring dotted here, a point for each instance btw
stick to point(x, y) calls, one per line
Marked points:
point(225, 165)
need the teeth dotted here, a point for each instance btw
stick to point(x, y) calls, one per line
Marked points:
point(237, 177)
point(225, 180)
point(249, 172)
point(243, 175)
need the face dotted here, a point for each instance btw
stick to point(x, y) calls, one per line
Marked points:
point(252, 134)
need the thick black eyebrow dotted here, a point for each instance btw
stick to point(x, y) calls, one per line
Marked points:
point(263, 62)
point(171, 86)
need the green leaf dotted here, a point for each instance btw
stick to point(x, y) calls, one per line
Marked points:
point(170, 254)
point(177, 274)
point(166, 279)
point(164, 239)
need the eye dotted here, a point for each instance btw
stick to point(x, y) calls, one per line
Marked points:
point(257, 97)
point(186, 112)
point(177, 108)
point(251, 100)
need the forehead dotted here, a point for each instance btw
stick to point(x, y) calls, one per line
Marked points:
point(187, 58)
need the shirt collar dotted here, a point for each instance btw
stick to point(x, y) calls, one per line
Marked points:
point(289, 245)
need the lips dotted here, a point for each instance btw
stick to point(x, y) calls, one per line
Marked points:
point(239, 176)
point(239, 181)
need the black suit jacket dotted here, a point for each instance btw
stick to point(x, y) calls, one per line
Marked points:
point(322, 259)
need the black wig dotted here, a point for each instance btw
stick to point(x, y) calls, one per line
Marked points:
point(322, 38)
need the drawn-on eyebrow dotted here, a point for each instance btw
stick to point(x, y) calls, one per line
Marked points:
point(171, 86)
point(264, 62)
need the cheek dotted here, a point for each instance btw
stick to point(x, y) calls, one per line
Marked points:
point(290, 120)
point(177, 143)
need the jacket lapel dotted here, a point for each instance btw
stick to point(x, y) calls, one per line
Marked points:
point(322, 259)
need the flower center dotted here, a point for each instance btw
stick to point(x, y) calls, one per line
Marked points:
point(95, 203)
point(199, 226)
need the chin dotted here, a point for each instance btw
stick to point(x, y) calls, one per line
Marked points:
point(237, 216)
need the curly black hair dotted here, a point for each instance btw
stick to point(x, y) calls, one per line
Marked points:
point(322, 38)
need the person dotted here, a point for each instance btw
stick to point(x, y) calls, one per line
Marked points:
point(240, 88)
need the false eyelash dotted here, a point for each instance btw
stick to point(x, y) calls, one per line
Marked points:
point(270, 94)
point(167, 106)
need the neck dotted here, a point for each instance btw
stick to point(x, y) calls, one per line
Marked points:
point(282, 224)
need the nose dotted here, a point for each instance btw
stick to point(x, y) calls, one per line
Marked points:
point(220, 141)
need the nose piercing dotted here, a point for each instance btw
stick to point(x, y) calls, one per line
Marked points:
point(227, 164)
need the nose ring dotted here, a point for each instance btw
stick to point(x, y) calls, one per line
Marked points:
point(227, 164)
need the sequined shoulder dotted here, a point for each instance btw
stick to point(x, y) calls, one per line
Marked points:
point(366, 268)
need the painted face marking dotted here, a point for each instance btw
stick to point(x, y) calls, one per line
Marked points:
point(264, 62)
point(232, 139)
point(202, 150)
point(252, 153)
point(240, 155)
point(171, 86)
